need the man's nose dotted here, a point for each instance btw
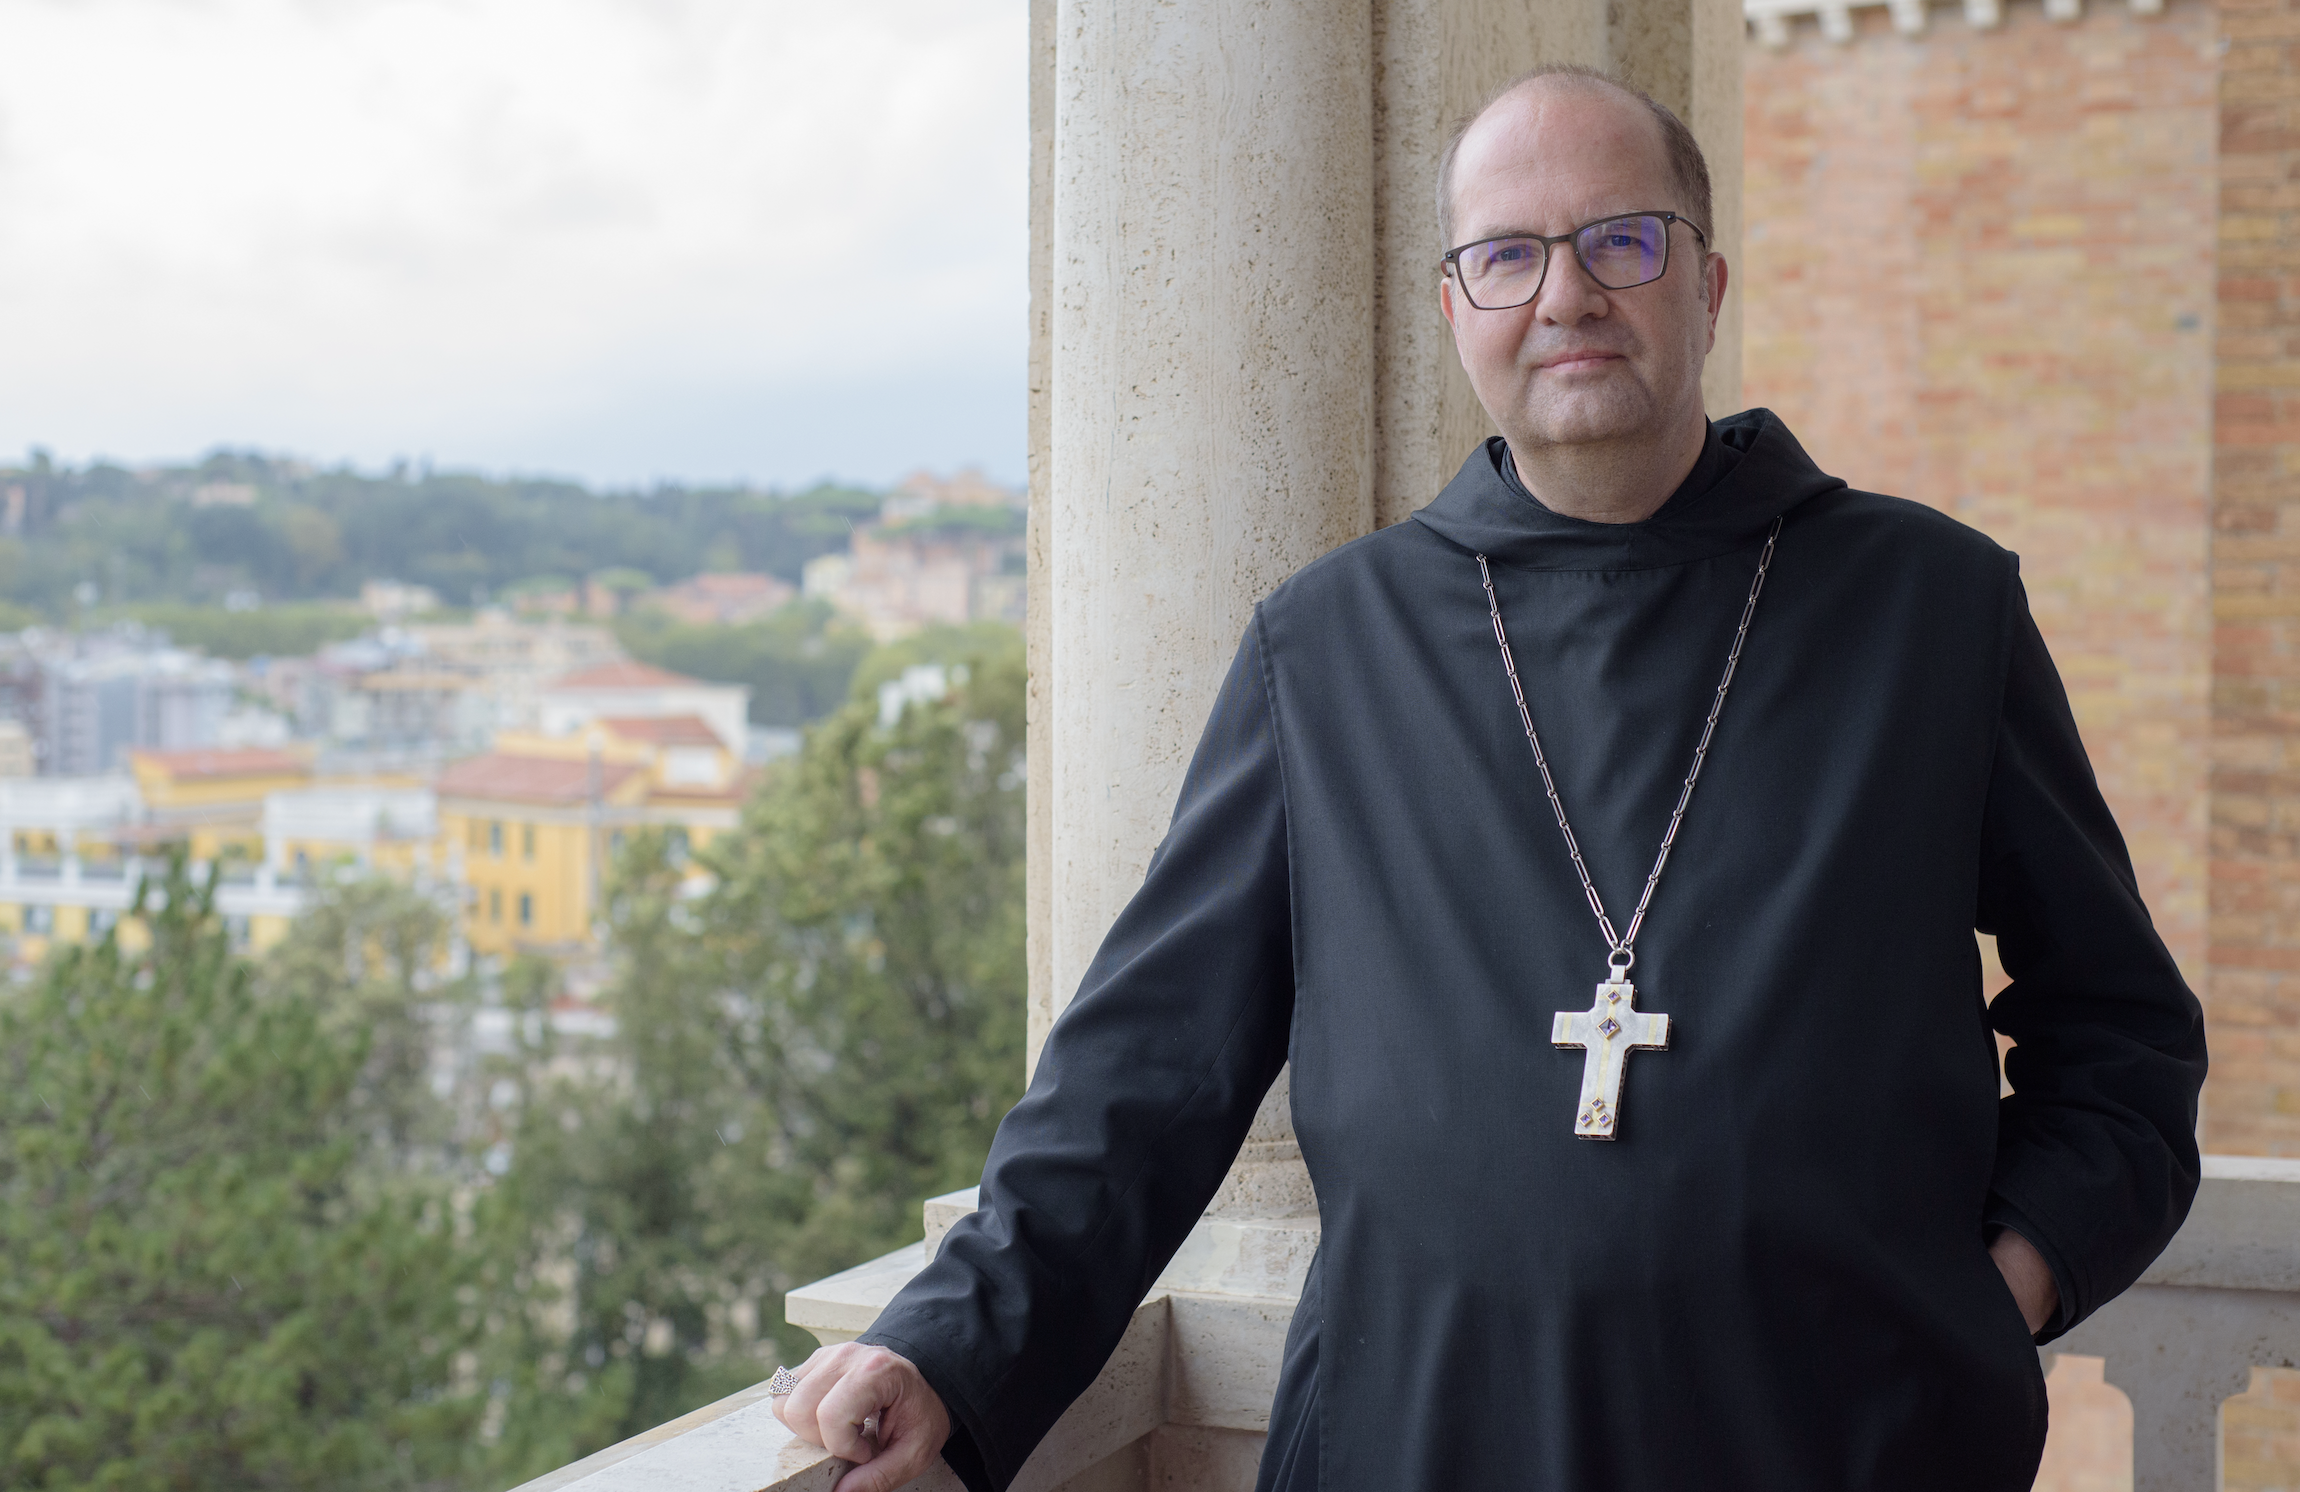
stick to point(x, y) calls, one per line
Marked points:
point(1568, 295)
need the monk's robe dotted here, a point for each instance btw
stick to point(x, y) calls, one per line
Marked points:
point(1775, 1277)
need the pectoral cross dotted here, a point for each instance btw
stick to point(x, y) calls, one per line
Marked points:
point(1608, 1031)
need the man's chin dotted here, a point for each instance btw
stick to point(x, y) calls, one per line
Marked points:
point(1597, 417)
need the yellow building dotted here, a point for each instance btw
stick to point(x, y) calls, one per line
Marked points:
point(369, 826)
point(73, 850)
point(213, 800)
point(536, 822)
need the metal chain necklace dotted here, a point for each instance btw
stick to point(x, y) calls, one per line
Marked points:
point(1613, 1026)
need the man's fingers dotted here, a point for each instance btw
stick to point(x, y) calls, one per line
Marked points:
point(899, 1462)
point(840, 1413)
point(797, 1409)
point(844, 1388)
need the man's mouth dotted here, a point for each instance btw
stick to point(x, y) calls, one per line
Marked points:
point(1573, 362)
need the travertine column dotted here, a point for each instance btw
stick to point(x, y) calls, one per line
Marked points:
point(1211, 413)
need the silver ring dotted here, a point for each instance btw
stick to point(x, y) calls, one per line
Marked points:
point(869, 1426)
point(781, 1385)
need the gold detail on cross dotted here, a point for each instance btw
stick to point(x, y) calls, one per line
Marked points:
point(1608, 1031)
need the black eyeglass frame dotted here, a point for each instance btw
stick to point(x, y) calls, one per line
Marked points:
point(1449, 263)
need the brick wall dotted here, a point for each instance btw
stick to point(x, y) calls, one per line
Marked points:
point(1979, 273)
point(2254, 1101)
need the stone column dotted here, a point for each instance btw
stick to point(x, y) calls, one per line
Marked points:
point(1209, 429)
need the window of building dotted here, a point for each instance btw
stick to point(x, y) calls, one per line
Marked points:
point(676, 845)
point(526, 910)
point(495, 906)
point(495, 837)
point(101, 921)
point(236, 929)
point(39, 919)
point(527, 841)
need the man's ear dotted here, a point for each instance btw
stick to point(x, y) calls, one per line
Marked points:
point(1445, 299)
point(1715, 284)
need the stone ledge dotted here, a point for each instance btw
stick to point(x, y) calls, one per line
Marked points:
point(1202, 1354)
point(2244, 1231)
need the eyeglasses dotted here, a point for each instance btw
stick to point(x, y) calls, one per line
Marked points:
point(1620, 253)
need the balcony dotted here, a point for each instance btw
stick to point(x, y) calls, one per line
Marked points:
point(1185, 1399)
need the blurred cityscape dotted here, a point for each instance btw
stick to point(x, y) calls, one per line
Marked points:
point(495, 752)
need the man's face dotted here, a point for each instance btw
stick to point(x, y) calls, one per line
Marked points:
point(1579, 363)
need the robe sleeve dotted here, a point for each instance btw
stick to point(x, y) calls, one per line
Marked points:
point(1142, 1097)
point(2096, 1145)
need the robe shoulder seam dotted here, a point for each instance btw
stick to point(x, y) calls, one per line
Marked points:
point(2008, 615)
point(1266, 669)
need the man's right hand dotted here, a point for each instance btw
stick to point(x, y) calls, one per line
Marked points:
point(843, 1387)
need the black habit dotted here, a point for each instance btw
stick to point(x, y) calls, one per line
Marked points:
point(1776, 1277)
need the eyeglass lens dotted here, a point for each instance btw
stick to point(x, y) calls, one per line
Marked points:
point(1619, 253)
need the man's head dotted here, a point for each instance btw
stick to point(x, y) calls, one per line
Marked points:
point(1580, 364)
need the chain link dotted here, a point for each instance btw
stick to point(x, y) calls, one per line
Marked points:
point(1622, 948)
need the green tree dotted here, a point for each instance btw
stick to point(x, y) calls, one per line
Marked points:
point(312, 534)
point(368, 954)
point(207, 1284)
point(273, 631)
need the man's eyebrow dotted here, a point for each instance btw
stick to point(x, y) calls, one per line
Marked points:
point(1603, 217)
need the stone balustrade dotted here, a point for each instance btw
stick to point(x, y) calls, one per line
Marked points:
point(1185, 1399)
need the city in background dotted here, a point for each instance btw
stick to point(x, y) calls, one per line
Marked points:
point(476, 686)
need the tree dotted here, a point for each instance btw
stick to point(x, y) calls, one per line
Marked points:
point(368, 954)
point(207, 1284)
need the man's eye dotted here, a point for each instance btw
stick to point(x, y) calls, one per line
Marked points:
point(1516, 253)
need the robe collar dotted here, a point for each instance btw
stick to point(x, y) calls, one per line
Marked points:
point(1749, 472)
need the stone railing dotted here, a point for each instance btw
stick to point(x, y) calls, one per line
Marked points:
point(2224, 1299)
point(1185, 1399)
point(1771, 19)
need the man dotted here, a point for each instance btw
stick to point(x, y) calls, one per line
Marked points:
point(1755, 1216)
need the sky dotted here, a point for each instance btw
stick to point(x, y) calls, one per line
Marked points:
point(625, 241)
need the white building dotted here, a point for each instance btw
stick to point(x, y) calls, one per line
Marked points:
point(101, 705)
point(627, 691)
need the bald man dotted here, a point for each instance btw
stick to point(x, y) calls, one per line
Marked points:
point(1604, 849)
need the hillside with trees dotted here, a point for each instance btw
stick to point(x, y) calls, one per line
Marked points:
point(278, 530)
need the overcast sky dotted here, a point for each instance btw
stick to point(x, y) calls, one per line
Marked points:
point(621, 240)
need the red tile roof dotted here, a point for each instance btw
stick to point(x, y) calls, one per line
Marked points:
point(664, 730)
point(529, 779)
point(736, 585)
point(624, 675)
point(252, 761)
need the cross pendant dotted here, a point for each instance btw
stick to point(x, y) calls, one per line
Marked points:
point(1608, 1031)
